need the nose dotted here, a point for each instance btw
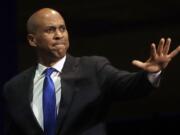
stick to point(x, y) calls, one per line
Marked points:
point(58, 35)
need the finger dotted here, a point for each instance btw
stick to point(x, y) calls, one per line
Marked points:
point(138, 64)
point(160, 46)
point(153, 50)
point(167, 46)
point(174, 52)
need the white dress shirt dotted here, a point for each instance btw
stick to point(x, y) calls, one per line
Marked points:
point(154, 78)
point(36, 104)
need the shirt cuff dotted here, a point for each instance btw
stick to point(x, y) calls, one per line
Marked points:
point(154, 78)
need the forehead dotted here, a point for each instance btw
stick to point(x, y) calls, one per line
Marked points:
point(50, 19)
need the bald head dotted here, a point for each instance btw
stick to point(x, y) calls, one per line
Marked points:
point(36, 19)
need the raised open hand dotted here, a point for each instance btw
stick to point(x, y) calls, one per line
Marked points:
point(159, 57)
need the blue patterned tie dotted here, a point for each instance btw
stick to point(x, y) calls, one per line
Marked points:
point(49, 103)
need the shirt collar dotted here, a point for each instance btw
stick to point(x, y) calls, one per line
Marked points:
point(58, 66)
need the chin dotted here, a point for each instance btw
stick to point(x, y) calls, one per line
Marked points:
point(60, 52)
point(60, 55)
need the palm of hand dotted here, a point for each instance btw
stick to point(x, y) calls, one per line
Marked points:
point(159, 58)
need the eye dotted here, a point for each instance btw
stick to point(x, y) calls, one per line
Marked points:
point(50, 30)
point(62, 28)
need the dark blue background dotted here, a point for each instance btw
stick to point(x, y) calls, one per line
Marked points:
point(8, 55)
point(121, 31)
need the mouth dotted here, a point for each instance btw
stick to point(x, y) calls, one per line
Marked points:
point(59, 43)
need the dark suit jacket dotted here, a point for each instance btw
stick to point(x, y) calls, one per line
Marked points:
point(89, 84)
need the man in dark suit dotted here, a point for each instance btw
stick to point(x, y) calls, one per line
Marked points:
point(84, 86)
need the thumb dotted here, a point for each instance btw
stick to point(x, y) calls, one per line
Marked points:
point(138, 64)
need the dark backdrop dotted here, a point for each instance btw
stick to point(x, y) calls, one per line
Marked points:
point(8, 45)
point(120, 30)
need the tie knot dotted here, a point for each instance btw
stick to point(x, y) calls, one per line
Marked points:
point(49, 71)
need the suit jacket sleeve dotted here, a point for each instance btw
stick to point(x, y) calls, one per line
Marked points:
point(121, 84)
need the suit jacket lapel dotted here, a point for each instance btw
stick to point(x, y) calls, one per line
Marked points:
point(68, 78)
point(28, 85)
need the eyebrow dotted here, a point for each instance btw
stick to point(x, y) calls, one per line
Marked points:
point(55, 25)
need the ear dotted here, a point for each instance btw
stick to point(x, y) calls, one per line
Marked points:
point(31, 40)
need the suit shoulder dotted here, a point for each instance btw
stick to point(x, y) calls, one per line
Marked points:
point(92, 62)
point(19, 77)
point(94, 59)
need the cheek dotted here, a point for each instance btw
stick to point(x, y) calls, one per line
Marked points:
point(67, 44)
point(44, 42)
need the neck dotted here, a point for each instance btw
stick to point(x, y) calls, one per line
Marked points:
point(48, 61)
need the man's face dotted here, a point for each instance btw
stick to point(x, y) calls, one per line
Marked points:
point(51, 36)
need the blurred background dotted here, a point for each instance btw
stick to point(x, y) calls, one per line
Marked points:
point(121, 30)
